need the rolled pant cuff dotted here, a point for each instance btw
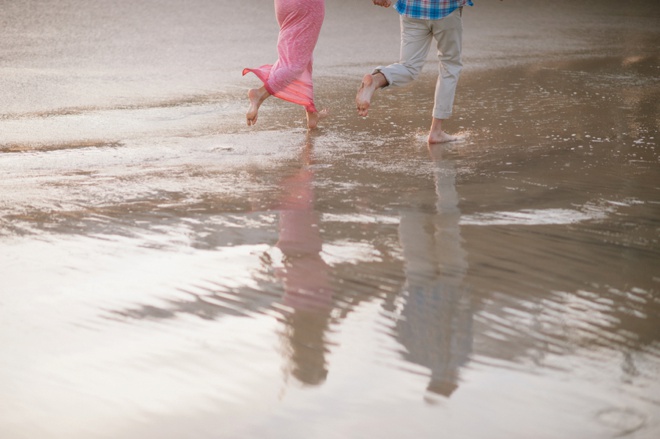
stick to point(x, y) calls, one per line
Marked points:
point(380, 69)
point(441, 115)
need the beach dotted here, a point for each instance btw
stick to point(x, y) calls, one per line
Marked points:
point(168, 271)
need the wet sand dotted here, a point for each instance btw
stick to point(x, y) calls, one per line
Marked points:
point(169, 272)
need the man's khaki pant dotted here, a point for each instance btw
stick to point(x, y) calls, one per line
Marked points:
point(416, 38)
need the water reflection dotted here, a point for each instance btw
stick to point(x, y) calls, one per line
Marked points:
point(436, 322)
point(304, 276)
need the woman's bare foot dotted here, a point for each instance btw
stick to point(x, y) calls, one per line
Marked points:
point(256, 96)
point(314, 117)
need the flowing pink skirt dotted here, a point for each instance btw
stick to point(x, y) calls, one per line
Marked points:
point(290, 78)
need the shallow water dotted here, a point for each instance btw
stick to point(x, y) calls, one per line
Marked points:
point(168, 272)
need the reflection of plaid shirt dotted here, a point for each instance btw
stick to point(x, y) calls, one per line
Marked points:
point(429, 9)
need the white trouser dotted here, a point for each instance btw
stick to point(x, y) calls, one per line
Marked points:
point(416, 38)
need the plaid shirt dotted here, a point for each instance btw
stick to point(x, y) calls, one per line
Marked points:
point(429, 9)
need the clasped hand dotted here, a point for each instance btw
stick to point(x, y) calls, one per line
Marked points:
point(383, 3)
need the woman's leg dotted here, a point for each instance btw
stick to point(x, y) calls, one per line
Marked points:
point(290, 78)
point(256, 97)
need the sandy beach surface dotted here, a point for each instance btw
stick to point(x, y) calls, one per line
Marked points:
point(168, 272)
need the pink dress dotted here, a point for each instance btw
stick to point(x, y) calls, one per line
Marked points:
point(290, 78)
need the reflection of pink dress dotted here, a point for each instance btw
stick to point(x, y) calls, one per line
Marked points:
point(290, 78)
point(306, 275)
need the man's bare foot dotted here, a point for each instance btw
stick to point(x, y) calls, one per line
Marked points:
point(256, 96)
point(438, 135)
point(442, 137)
point(314, 117)
point(364, 95)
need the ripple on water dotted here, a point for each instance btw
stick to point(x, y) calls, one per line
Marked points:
point(622, 420)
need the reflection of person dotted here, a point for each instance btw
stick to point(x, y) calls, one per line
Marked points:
point(436, 321)
point(290, 78)
point(305, 277)
point(422, 21)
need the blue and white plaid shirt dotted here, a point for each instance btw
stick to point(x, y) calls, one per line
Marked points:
point(429, 9)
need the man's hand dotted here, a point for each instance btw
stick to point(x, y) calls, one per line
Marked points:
point(383, 3)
